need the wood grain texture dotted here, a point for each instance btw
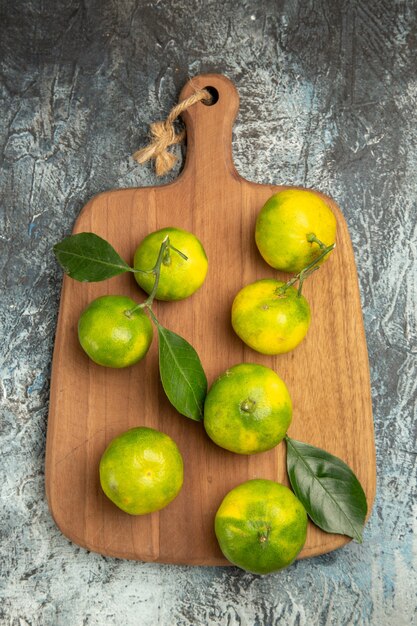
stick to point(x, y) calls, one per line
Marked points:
point(327, 375)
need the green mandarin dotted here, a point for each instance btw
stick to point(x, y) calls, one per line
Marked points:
point(113, 333)
point(248, 409)
point(261, 526)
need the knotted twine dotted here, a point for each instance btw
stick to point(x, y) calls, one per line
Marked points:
point(163, 135)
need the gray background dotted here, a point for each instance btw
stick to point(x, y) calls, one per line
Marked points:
point(328, 100)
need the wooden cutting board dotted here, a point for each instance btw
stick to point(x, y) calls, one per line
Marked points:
point(327, 375)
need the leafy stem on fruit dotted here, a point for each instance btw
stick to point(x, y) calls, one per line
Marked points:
point(181, 372)
point(166, 246)
point(88, 258)
point(308, 269)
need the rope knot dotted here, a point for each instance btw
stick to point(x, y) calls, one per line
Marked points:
point(163, 135)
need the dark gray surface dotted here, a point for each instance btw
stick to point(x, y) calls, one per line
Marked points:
point(328, 100)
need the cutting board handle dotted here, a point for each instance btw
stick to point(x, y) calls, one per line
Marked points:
point(209, 129)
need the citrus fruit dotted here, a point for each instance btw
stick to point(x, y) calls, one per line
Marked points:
point(179, 277)
point(248, 409)
point(284, 224)
point(261, 526)
point(141, 470)
point(112, 334)
point(268, 320)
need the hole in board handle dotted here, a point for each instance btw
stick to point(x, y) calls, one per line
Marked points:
point(214, 97)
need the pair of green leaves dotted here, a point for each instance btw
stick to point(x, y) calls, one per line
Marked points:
point(86, 257)
point(327, 487)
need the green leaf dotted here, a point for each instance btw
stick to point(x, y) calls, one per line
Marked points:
point(89, 258)
point(182, 374)
point(329, 490)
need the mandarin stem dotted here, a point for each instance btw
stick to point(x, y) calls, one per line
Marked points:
point(308, 269)
point(153, 316)
point(184, 256)
point(156, 271)
point(311, 238)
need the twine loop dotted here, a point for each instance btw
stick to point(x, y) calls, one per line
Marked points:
point(163, 135)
